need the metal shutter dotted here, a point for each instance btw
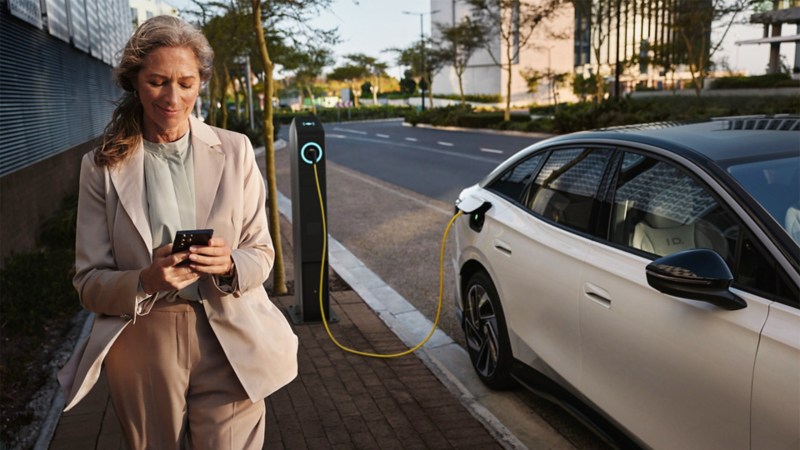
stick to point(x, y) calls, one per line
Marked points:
point(52, 95)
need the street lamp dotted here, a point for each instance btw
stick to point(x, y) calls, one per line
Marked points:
point(422, 43)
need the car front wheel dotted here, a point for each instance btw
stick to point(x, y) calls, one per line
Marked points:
point(486, 333)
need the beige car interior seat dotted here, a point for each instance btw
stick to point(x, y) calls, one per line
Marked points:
point(662, 236)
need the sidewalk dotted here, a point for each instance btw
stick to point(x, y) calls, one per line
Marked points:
point(338, 400)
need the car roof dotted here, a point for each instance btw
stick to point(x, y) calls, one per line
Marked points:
point(713, 139)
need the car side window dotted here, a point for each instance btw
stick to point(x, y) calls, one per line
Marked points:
point(755, 269)
point(659, 209)
point(566, 187)
point(513, 182)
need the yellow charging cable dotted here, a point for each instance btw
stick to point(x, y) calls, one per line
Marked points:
point(322, 272)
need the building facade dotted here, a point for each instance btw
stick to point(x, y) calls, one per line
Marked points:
point(56, 94)
point(483, 76)
point(142, 10)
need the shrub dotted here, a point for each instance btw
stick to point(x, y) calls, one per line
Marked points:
point(59, 231)
point(361, 113)
point(758, 81)
point(628, 111)
point(477, 98)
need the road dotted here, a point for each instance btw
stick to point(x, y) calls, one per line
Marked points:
point(391, 191)
point(434, 163)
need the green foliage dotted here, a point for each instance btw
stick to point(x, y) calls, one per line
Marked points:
point(456, 116)
point(362, 113)
point(37, 287)
point(477, 98)
point(407, 84)
point(628, 111)
point(774, 80)
point(571, 117)
point(584, 86)
point(59, 231)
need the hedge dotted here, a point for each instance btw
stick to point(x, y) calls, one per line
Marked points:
point(775, 80)
point(612, 112)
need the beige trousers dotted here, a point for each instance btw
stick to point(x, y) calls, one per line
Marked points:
point(172, 385)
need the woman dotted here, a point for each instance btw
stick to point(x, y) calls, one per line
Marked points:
point(190, 341)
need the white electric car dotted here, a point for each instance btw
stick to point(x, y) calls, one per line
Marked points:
point(646, 278)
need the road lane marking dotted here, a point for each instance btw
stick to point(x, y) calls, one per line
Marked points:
point(446, 144)
point(483, 159)
point(350, 131)
point(383, 135)
point(340, 136)
point(491, 150)
point(412, 139)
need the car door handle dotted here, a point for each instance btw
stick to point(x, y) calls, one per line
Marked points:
point(502, 247)
point(597, 295)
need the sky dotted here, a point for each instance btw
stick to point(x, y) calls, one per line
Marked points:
point(372, 26)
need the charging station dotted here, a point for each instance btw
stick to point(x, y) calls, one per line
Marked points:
point(307, 147)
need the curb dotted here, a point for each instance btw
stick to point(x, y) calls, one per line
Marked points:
point(411, 327)
point(485, 131)
point(57, 408)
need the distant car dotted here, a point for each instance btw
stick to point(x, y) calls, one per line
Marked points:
point(646, 278)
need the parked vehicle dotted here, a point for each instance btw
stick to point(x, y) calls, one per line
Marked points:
point(645, 277)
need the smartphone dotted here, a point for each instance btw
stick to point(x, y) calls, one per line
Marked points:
point(187, 238)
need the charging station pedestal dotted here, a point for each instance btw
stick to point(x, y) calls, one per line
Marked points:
point(306, 146)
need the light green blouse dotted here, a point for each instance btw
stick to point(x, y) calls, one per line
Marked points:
point(169, 182)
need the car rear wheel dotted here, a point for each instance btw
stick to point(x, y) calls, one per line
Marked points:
point(486, 333)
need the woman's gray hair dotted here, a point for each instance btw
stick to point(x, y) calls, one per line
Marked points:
point(124, 133)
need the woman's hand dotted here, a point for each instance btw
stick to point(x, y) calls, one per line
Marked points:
point(213, 259)
point(164, 274)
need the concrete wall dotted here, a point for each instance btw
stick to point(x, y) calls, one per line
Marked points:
point(29, 196)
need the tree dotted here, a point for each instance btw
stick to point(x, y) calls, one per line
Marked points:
point(532, 79)
point(352, 75)
point(407, 83)
point(515, 22)
point(286, 19)
point(378, 72)
point(307, 64)
point(457, 45)
point(695, 24)
point(424, 61)
point(584, 86)
point(555, 81)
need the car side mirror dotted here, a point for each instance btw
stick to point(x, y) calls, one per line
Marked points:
point(698, 274)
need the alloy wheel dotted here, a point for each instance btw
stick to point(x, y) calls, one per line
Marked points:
point(482, 330)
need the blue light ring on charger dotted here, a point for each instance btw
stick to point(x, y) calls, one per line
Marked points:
point(303, 152)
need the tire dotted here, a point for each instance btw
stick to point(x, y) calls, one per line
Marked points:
point(486, 333)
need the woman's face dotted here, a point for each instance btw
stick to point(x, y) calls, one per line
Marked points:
point(168, 85)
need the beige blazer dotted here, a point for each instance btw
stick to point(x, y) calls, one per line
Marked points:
point(114, 244)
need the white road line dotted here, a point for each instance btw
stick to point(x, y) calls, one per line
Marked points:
point(350, 131)
point(412, 139)
point(446, 144)
point(383, 135)
point(491, 150)
point(340, 136)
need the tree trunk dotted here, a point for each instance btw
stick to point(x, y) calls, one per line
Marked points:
point(212, 94)
point(375, 89)
point(507, 115)
point(313, 104)
point(237, 101)
point(430, 90)
point(278, 282)
point(224, 96)
point(461, 90)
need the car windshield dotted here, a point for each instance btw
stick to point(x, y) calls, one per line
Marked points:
point(775, 184)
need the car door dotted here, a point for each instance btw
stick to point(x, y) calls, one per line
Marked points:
point(537, 250)
point(676, 373)
point(776, 377)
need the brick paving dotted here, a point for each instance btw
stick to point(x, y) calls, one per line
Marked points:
point(338, 401)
